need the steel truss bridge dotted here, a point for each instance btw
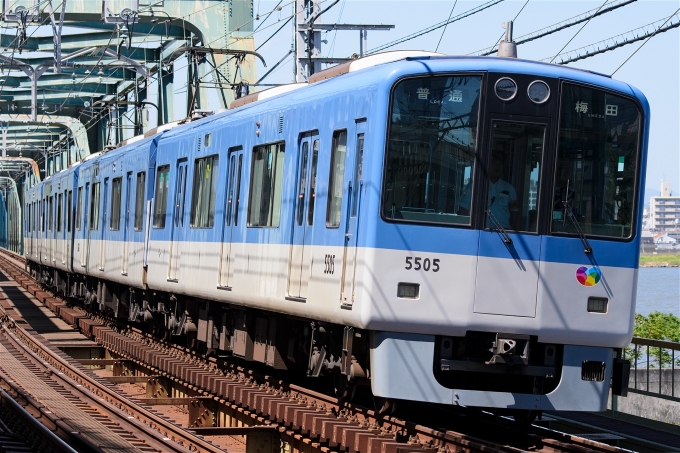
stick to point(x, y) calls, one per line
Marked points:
point(77, 76)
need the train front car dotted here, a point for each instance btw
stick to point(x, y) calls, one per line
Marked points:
point(506, 253)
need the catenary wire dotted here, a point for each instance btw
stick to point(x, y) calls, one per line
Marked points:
point(646, 41)
point(579, 31)
point(447, 24)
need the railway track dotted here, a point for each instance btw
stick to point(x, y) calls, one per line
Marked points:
point(303, 420)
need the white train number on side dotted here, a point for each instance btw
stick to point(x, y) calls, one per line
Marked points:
point(417, 263)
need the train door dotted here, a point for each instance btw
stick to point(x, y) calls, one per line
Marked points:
point(103, 236)
point(126, 224)
point(88, 213)
point(303, 217)
point(509, 245)
point(68, 235)
point(177, 219)
point(349, 256)
point(60, 225)
point(230, 225)
point(51, 233)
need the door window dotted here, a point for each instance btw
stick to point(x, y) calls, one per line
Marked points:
point(139, 201)
point(94, 207)
point(336, 177)
point(312, 183)
point(302, 184)
point(513, 176)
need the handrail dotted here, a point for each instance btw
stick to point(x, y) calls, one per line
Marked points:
point(657, 343)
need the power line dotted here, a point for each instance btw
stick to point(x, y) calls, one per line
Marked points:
point(658, 30)
point(576, 34)
point(621, 40)
point(342, 10)
point(559, 26)
point(434, 27)
point(444, 30)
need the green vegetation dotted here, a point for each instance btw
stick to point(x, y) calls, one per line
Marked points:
point(658, 260)
point(657, 326)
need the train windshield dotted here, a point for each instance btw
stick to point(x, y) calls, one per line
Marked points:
point(431, 149)
point(596, 163)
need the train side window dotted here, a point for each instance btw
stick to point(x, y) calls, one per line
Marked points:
point(116, 186)
point(94, 207)
point(161, 196)
point(60, 207)
point(264, 205)
point(79, 208)
point(69, 203)
point(43, 214)
point(335, 179)
point(204, 192)
point(50, 210)
point(139, 201)
point(312, 183)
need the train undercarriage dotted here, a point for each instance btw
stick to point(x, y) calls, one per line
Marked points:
point(216, 328)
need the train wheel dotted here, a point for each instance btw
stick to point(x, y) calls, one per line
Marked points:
point(344, 387)
point(525, 417)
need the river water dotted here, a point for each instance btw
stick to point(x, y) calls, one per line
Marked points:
point(658, 290)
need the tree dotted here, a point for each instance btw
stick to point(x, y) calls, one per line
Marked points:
point(655, 326)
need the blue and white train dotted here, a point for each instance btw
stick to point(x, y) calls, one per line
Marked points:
point(456, 230)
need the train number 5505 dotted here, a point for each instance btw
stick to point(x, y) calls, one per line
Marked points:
point(417, 263)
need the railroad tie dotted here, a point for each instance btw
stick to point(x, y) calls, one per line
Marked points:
point(92, 430)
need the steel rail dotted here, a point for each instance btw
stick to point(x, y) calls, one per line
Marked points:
point(122, 407)
point(50, 438)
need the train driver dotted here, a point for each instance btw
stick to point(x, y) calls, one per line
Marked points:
point(501, 197)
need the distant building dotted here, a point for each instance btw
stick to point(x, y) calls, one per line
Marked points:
point(664, 210)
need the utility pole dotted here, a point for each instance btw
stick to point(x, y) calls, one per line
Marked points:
point(308, 59)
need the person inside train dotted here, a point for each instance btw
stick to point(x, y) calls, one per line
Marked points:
point(501, 196)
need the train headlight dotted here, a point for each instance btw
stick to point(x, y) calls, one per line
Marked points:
point(538, 91)
point(506, 88)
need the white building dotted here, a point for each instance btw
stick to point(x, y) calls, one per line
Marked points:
point(664, 210)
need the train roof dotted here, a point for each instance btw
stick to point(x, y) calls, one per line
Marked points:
point(388, 72)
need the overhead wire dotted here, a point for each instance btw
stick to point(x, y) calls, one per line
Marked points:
point(434, 27)
point(647, 40)
point(335, 35)
point(579, 31)
point(447, 24)
point(619, 40)
point(559, 26)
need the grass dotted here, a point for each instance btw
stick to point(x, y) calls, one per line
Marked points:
point(673, 259)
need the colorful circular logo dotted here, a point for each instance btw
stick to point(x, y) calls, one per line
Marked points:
point(588, 276)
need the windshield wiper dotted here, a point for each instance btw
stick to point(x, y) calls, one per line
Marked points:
point(569, 212)
point(497, 226)
point(584, 240)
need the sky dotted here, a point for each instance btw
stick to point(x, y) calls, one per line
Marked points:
point(654, 68)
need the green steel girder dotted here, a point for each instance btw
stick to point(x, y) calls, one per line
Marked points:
point(218, 24)
point(135, 53)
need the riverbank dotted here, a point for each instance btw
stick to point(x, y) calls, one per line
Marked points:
point(666, 260)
